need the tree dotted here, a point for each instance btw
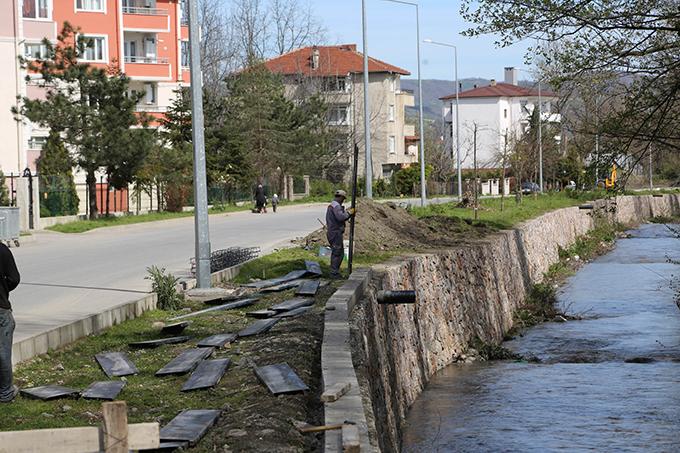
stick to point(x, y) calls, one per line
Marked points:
point(633, 43)
point(55, 170)
point(89, 108)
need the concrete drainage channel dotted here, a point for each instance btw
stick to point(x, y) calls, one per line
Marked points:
point(387, 353)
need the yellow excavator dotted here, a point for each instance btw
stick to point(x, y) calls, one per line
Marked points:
point(610, 183)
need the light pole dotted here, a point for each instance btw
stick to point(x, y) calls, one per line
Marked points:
point(540, 134)
point(367, 119)
point(458, 159)
point(200, 185)
point(423, 185)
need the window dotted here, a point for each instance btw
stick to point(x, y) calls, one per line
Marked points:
point(393, 144)
point(34, 50)
point(36, 9)
point(391, 112)
point(184, 12)
point(37, 142)
point(95, 49)
point(90, 5)
point(130, 51)
point(186, 54)
point(150, 93)
point(334, 84)
point(387, 171)
point(338, 115)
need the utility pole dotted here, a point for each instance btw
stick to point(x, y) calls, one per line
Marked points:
point(651, 181)
point(540, 139)
point(474, 157)
point(367, 110)
point(202, 233)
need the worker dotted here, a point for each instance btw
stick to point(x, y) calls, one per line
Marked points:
point(9, 279)
point(336, 217)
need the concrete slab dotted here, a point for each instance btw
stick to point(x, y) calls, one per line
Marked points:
point(185, 362)
point(116, 364)
point(150, 344)
point(280, 379)
point(293, 313)
point(261, 314)
point(292, 304)
point(281, 287)
point(175, 328)
point(230, 306)
point(308, 288)
point(313, 268)
point(258, 327)
point(49, 392)
point(189, 426)
point(104, 390)
point(207, 374)
point(292, 275)
point(217, 341)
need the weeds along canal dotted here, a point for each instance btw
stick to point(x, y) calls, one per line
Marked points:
point(608, 382)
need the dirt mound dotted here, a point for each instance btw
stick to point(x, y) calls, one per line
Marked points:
point(385, 226)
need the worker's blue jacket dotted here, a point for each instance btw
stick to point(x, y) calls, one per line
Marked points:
point(336, 216)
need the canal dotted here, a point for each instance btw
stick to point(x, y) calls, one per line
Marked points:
point(608, 382)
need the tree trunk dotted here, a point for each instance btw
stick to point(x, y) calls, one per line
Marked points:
point(91, 182)
point(108, 193)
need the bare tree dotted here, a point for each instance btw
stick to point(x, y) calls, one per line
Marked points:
point(293, 25)
point(250, 20)
point(218, 45)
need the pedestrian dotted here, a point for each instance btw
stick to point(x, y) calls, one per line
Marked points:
point(336, 217)
point(9, 279)
point(260, 199)
point(275, 202)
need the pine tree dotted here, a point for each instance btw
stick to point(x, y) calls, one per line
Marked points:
point(55, 169)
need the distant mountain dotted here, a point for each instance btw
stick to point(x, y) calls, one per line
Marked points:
point(434, 89)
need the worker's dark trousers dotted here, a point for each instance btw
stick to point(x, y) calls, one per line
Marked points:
point(337, 251)
point(6, 333)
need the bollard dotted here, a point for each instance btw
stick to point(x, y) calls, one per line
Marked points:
point(396, 297)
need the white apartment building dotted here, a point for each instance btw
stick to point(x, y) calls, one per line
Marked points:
point(496, 110)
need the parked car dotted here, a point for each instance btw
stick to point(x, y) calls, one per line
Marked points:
point(570, 186)
point(530, 187)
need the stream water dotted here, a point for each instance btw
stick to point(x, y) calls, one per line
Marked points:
point(609, 382)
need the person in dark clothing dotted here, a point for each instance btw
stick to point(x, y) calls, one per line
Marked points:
point(336, 217)
point(260, 199)
point(9, 279)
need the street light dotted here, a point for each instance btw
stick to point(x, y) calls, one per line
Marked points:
point(202, 234)
point(540, 134)
point(423, 190)
point(367, 120)
point(458, 159)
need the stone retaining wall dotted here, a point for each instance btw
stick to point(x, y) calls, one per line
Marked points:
point(462, 293)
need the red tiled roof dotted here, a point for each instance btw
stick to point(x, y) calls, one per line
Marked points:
point(499, 90)
point(333, 61)
point(411, 138)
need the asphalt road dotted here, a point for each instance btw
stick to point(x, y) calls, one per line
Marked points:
point(65, 277)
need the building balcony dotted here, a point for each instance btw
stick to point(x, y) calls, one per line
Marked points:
point(147, 19)
point(147, 68)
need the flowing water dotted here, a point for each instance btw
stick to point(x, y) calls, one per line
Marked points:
point(610, 382)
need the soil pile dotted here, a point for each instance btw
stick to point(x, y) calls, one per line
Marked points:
point(385, 226)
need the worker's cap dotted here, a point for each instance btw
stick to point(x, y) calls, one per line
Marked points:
point(341, 193)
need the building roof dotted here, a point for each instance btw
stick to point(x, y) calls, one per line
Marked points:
point(333, 61)
point(499, 90)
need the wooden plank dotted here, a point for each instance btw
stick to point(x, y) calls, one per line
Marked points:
point(185, 362)
point(217, 341)
point(292, 304)
point(141, 436)
point(105, 390)
point(159, 342)
point(258, 327)
point(115, 427)
point(116, 364)
point(229, 306)
point(189, 426)
point(308, 288)
point(207, 374)
point(280, 379)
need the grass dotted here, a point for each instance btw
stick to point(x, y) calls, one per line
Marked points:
point(490, 212)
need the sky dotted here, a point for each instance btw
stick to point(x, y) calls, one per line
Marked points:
point(392, 37)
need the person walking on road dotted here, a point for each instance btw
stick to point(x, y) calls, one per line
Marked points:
point(9, 279)
point(275, 202)
point(336, 217)
point(260, 199)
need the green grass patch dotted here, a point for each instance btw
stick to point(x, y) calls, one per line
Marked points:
point(490, 212)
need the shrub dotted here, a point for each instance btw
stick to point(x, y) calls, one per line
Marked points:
point(164, 286)
point(322, 188)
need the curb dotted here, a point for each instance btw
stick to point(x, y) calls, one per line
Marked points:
point(337, 366)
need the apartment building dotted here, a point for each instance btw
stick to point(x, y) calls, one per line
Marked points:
point(337, 73)
point(147, 39)
point(495, 110)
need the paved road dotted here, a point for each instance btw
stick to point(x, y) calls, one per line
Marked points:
point(68, 276)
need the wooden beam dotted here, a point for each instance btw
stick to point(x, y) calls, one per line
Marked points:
point(141, 436)
point(115, 429)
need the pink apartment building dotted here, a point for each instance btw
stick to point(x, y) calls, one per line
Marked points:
point(148, 39)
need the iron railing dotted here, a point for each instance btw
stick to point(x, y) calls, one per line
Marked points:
point(142, 10)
